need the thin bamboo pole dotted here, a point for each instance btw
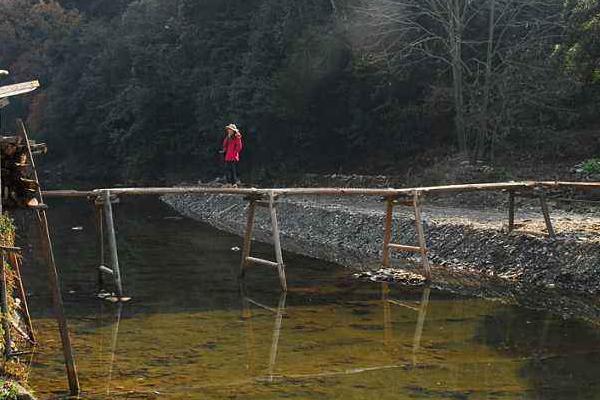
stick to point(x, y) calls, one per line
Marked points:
point(15, 260)
point(112, 243)
point(391, 192)
point(387, 233)
point(277, 243)
point(3, 289)
point(5, 310)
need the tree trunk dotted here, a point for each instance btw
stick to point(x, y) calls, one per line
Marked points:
point(333, 7)
point(457, 74)
point(484, 134)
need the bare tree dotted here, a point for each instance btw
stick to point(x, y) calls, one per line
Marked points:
point(476, 40)
point(405, 32)
point(514, 28)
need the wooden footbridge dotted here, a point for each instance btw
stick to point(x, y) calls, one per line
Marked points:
point(103, 200)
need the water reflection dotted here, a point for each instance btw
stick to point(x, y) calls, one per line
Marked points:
point(279, 313)
point(556, 364)
point(247, 317)
point(113, 344)
point(191, 332)
point(420, 308)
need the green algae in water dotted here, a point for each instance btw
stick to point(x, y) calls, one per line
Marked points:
point(188, 334)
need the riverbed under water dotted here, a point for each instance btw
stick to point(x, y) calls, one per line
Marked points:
point(189, 332)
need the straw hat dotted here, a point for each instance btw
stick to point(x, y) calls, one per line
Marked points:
point(233, 128)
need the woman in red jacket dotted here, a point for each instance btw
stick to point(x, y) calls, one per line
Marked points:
point(232, 146)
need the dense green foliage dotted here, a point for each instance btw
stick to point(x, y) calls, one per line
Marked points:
point(592, 166)
point(142, 88)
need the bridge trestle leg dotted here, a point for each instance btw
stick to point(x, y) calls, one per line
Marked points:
point(247, 259)
point(421, 249)
point(536, 192)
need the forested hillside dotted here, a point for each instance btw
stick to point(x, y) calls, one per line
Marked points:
point(142, 89)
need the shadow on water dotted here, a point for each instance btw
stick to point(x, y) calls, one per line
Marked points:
point(561, 358)
point(191, 332)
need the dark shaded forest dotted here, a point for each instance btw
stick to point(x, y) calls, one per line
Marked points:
point(141, 89)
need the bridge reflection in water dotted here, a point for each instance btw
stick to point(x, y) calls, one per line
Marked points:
point(279, 312)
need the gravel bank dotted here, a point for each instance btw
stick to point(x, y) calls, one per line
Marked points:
point(349, 231)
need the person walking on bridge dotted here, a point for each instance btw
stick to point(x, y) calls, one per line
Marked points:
point(232, 146)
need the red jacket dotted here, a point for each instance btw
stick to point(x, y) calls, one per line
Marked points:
point(232, 147)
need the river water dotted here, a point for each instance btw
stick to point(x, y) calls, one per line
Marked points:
point(189, 332)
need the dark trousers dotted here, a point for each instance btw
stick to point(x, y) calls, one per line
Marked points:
point(232, 173)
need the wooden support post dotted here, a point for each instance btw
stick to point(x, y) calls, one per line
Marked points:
point(112, 243)
point(59, 308)
point(100, 236)
point(421, 234)
point(387, 233)
point(544, 205)
point(511, 210)
point(5, 309)
point(277, 243)
point(248, 236)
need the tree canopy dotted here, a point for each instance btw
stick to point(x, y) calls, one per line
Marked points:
point(143, 88)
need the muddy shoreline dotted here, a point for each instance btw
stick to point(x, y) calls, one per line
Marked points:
point(471, 250)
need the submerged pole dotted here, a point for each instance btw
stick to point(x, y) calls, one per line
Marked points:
point(112, 242)
point(100, 234)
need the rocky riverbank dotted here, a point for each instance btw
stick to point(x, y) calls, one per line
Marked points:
point(469, 248)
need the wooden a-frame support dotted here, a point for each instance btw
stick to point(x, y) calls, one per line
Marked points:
point(247, 259)
point(105, 226)
point(421, 249)
point(538, 192)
